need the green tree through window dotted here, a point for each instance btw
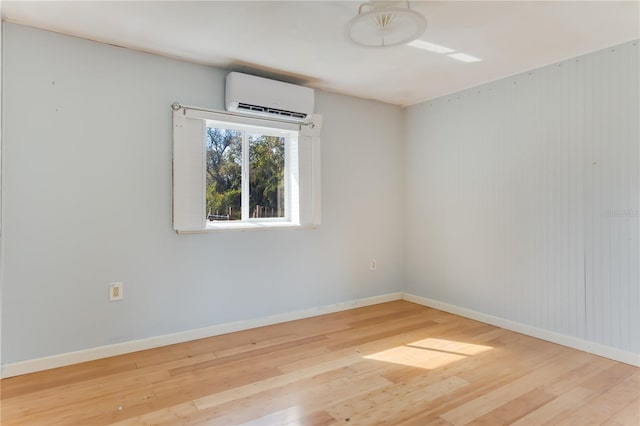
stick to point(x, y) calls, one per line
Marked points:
point(224, 174)
point(266, 174)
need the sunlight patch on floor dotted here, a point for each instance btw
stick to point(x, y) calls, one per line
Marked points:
point(429, 353)
point(461, 348)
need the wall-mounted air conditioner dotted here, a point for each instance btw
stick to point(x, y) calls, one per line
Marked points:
point(248, 94)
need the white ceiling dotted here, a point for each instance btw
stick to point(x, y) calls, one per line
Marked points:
point(304, 41)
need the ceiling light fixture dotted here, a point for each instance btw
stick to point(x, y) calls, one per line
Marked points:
point(430, 47)
point(464, 57)
point(385, 24)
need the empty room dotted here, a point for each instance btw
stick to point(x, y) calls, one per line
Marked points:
point(320, 213)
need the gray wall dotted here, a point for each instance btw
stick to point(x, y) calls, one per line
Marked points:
point(523, 198)
point(87, 182)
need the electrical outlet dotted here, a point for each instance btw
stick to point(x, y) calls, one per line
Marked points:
point(115, 291)
point(373, 265)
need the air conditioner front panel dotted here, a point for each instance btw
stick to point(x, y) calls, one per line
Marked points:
point(267, 98)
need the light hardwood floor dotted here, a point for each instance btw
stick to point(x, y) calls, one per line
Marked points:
point(395, 363)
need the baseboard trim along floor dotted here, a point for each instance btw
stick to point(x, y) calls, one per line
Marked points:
point(69, 358)
point(64, 359)
point(540, 333)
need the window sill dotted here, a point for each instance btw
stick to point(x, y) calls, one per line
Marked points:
point(247, 226)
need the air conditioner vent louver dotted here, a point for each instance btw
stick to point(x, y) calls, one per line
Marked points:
point(271, 111)
point(261, 97)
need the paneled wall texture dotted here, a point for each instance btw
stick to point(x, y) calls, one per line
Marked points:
point(523, 198)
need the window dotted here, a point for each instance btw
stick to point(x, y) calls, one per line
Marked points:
point(235, 172)
point(247, 172)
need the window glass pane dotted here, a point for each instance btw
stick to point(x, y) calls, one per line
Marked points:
point(224, 174)
point(266, 176)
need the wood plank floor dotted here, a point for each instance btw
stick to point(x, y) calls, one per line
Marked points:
point(395, 363)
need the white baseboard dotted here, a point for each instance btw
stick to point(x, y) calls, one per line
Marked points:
point(60, 360)
point(551, 336)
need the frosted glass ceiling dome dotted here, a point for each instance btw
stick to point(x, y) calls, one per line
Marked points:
point(385, 24)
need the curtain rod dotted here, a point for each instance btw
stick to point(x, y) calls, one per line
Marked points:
point(176, 106)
